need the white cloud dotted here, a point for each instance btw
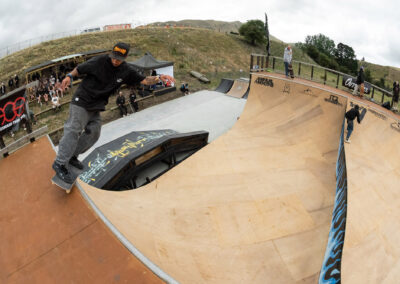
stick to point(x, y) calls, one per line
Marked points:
point(370, 27)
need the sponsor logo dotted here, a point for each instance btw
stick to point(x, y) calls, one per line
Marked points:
point(12, 110)
point(334, 100)
point(396, 126)
point(309, 92)
point(377, 114)
point(265, 82)
point(286, 89)
point(120, 50)
point(350, 83)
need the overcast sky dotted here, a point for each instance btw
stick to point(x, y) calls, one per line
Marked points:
point(372, 28)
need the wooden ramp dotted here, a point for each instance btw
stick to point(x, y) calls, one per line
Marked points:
point(47, 236)
point(371, 251)
point(254, 206)
point(238, 89)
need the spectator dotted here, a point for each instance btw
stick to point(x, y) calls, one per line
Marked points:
point(16, 80)
point(132, 100)
point(396, 91)
point(350, 116)
point(46, 97)
point(360, 83)
point(55, 102)
point(58, 88)
point(121, 104)
point(185, 89)
point(11, 83)
point(287, 59)
point(3, 89)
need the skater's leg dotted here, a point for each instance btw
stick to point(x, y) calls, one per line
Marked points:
point(78, 118)
point(90, 135)
point(350, 127)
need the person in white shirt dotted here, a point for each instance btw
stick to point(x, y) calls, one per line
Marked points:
point(287, 59)
point(55, 101)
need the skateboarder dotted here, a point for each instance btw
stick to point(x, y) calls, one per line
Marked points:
point(360, 83)
point(104, 75)
point(350, 116)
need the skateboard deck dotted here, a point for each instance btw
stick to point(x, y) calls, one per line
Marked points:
point(291, 71)
point(362, 114)
point(62, 184)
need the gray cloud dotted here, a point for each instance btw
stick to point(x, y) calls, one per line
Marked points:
point(370, 27)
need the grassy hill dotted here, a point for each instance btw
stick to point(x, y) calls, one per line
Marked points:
point(213, 53)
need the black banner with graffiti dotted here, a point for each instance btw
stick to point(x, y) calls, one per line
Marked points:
point(350, 83)
point(12, 109)
point(331, 268)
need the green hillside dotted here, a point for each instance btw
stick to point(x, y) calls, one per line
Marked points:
point(213, 53)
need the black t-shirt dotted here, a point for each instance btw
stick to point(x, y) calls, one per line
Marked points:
point(352, 114)
point(102, 80)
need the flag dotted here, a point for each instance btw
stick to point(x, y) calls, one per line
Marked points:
point(267, 35)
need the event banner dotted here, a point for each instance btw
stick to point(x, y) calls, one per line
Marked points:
point(12, 109)
point(350, 83)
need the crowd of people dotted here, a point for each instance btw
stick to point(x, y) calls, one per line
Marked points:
point(47, 91)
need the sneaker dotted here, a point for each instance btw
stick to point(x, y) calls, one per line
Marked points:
point(76, 163)
point(347, 141)
point(63, 173)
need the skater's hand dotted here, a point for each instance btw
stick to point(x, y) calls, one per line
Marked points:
point(65, 83)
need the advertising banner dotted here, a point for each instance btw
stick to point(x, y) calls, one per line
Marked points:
point(12, 109)
point(350, 83)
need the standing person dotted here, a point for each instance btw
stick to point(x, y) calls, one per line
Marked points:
point(104, 75)
point(350, 116)
point(132, 100)
point(287, 59)
point(2, 89)
point(396, 91)
point(11, 83)
point(360, 83)
point(16, 80)
point(120, 101)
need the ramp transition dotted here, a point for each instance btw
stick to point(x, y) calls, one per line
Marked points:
point(255, 205)
point(224, 86)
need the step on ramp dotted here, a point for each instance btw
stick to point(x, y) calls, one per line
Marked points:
point(254, 206)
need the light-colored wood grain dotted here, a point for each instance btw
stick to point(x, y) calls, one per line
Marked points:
point(251, 207)
point(371, 251)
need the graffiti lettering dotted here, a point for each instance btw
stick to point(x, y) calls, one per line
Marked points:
point(124, 150)
point(396, 126)
point(377, 114)
point(334, 100)
point(286, 89)
point(265, 82)
point(331, 267)
point(309, 92)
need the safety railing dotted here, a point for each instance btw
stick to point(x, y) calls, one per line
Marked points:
point(326, 76)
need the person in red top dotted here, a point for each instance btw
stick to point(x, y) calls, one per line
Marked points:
point(104, 75)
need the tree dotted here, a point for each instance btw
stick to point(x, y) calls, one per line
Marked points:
point(253, 31)
point(322, 43)
point(345, 56)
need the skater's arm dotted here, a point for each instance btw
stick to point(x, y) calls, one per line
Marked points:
point(68, 79)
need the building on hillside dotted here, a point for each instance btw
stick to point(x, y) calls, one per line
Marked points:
point(117, 27)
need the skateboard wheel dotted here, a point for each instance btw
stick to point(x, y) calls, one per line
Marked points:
point(68, 191)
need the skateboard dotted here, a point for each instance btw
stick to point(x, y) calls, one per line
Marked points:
point(362, 114)
point(291, 71)
point(62, 184)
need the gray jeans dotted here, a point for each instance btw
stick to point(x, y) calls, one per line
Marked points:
point(81, 131)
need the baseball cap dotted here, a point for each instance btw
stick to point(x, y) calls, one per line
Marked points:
point(120, 51)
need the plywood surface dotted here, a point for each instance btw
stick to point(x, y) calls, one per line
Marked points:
point(251, 207)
